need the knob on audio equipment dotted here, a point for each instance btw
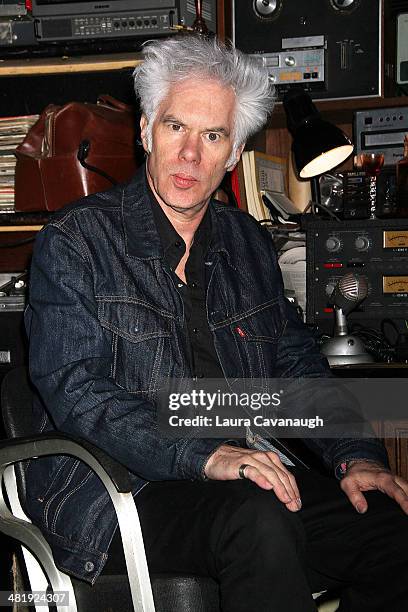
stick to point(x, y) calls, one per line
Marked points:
point(362, 243)
point(344, 5)
point(333, 244)
point(290, 60)
point(267, 9)
point(330, 288)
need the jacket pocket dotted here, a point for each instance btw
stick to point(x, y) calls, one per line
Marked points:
point(256, 334)
point(141, 342)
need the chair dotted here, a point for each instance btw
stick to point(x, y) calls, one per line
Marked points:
point(136, 591)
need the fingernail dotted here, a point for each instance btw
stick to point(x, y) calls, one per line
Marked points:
point(299, 502)
point(360, 509)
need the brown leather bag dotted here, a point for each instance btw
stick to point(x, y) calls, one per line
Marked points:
point(74, 150)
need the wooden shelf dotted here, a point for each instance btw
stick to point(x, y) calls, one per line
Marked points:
point(67, 65)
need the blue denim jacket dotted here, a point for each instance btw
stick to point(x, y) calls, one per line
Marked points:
point(105, 323)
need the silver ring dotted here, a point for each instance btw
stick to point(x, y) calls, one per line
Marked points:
point(241, 470)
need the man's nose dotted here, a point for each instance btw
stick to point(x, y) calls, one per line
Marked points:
point(191, 149)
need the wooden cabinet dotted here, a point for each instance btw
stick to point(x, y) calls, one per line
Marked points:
point(395, 436)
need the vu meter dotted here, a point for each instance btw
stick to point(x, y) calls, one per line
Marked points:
point(376, 249)
point(396, 239)
point(395, 284)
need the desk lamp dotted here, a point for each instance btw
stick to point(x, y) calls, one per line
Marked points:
point(318, 146)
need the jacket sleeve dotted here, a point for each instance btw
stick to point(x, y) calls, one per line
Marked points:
point(298, 356)
point(70, 359)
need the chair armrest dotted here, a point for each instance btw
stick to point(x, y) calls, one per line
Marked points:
point(20, 449)
point(115, 478)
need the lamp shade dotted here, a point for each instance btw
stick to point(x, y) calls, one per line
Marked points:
point(318, 146)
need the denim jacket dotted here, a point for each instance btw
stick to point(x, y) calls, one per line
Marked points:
point(106, 322)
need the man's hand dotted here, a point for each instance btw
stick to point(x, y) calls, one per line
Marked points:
point(368, 476)
point(263, 468)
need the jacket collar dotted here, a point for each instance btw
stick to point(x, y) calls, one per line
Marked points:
point(141, 236)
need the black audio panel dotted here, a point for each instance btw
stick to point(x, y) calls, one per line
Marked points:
point(376, 249)
point(332, 48)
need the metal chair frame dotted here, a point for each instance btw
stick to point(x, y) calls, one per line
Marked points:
point(14, 522)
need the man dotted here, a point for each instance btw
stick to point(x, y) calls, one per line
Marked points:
point(154, 279)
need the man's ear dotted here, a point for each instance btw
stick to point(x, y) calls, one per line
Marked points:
point(238, 157)
point(143, 129)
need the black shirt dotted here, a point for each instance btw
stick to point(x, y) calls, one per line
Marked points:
point(203, 358)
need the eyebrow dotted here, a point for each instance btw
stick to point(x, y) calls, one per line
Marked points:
point(173, 119)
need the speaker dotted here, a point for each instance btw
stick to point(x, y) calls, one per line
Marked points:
point(330, 47)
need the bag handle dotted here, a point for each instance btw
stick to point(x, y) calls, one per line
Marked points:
point(83, 152)
point(112, 102)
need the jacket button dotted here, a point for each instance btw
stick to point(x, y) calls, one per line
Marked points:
point(89, 566)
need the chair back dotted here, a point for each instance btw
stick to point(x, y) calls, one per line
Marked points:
point(16, 406)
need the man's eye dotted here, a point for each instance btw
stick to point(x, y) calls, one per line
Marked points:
point(175, 127)
point(213, 136)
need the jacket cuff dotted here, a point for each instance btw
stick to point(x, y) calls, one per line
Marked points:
point(370, 449)
point(194, 455)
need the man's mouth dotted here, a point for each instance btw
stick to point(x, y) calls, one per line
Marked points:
point(184, 181)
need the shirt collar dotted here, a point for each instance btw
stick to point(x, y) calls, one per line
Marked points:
point(144, 220)
point(170, 238)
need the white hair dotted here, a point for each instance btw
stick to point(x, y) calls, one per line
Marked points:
point(175, 59)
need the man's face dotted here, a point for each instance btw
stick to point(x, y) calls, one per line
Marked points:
point(191, 143)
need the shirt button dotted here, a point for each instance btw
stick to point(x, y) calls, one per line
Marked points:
point(89, 566)
point(193, 285)
point(195, 330)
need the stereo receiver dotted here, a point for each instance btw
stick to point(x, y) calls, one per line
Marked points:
point(377, 249)
point(331, 47)
point(114, 19)
point(381, 130)
point(76, 20)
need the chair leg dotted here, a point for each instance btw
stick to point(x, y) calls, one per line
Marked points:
point(41, 566)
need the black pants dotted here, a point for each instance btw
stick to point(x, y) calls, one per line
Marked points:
point(268, 559)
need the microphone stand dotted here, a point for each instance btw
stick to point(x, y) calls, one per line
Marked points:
point(344, 348)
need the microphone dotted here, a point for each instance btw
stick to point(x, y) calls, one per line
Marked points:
point(344, 348)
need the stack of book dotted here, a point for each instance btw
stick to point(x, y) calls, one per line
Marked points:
point(12, 132)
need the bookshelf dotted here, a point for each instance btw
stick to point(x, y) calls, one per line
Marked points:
point(68, 65)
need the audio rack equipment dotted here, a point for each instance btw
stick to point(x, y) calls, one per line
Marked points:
point(13, 341)
point(381, 130)
point(57, 20)
point(332, 48)
point(377, 249)
point(72, 27)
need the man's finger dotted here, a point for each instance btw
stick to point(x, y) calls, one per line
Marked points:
point(268, 478)
point(286, 476)
point(368, 480)
point(357, 499)
point(397, 492)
